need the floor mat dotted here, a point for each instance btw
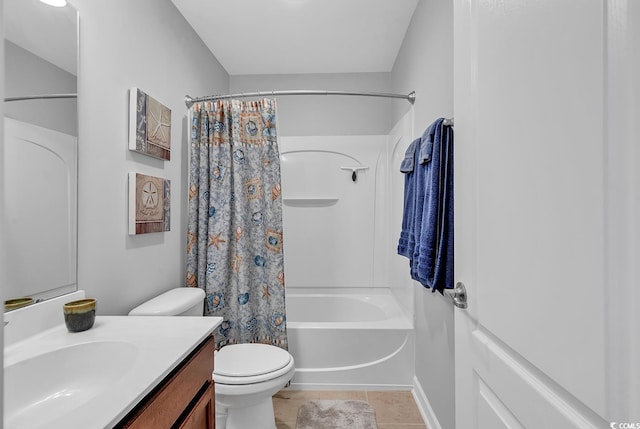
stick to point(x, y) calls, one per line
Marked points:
point(336, 415)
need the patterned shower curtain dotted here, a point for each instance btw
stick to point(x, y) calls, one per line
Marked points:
point(234, 235)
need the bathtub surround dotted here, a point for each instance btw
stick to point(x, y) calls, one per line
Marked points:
point(235, 248)
point(323, 207)
point(339, 297)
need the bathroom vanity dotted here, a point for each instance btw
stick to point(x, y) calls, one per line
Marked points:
point(184, 399)
point(125, 371)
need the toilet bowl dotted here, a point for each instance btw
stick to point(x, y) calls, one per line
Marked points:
point(246, 376)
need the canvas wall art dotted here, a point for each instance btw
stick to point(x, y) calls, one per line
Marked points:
point(149, 125)
point(149, 204)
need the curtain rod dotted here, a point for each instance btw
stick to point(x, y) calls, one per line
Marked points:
point(41, 97)
point(189, 101)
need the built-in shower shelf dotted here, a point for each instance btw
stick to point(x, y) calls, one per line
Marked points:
point(310, 202)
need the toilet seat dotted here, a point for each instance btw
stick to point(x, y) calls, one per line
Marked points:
point(241, 364)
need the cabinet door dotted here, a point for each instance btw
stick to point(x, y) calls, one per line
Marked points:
point(174, 397)
point(202, 416)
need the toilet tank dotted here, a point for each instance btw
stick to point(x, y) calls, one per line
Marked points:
point(181, 301)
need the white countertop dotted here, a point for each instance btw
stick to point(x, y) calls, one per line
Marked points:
point(161, 344)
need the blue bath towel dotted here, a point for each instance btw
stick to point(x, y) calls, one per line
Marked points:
point(422, 267)
point(427, 227)
point(424, 170)
point(435, 253)
point(444, 273)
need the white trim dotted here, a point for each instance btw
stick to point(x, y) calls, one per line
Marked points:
point(426, 410)
point(361, 387)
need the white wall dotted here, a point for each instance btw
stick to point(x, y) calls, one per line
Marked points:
point(148, 44)
point(425, 64)
point(315, 115)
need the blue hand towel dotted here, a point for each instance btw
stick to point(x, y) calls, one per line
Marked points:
point(407, 164)
point(407, 242)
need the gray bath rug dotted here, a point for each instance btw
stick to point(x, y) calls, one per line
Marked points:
point(336, 415)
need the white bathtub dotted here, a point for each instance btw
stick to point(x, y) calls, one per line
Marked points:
point(349, 340)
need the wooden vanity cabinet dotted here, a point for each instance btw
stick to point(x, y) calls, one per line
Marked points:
point(185, 399)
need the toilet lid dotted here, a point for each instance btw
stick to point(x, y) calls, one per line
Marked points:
point(250, 363)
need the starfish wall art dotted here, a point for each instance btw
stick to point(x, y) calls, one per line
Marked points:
point(149, 125)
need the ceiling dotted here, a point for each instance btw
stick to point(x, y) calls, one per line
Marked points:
point(301, 36)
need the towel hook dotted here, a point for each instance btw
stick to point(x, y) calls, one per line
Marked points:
point(354, 171)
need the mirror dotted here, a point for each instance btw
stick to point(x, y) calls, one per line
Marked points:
point(40, 149)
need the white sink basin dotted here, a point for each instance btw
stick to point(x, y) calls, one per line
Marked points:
point(92, 379)
point(42, 388)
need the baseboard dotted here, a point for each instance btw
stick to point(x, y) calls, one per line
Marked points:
point(428, 415)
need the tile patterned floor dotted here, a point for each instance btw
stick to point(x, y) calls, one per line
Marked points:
point(394, 409)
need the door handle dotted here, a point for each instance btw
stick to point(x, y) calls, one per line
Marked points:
point(458, 295)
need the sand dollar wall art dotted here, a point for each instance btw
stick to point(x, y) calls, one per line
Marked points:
point(149, 125)
point(149, 204)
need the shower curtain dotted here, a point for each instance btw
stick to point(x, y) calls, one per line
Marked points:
point(234, 234)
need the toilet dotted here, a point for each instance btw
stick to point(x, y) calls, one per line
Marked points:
point(246, 376)
point(181, 301)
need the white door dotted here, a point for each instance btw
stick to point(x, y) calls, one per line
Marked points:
point(546, 340)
